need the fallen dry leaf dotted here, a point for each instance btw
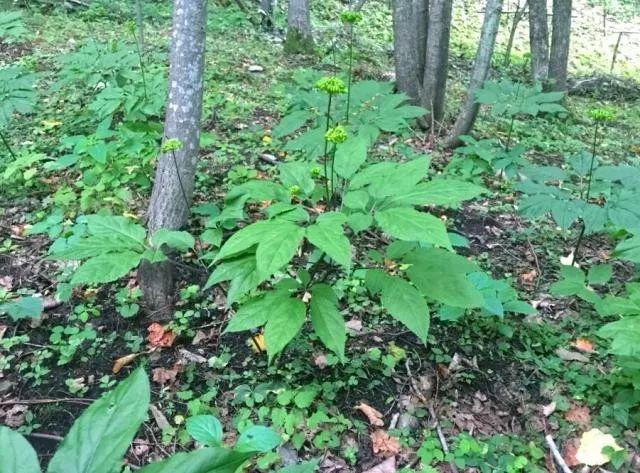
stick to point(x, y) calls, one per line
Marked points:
point(189, 357)
point(164, 376)
point(568, 355)
point(159, 336)
point(373, 416)
point(549, 409)
point(6, 282)
point(257, 343)
point(319, 360)
point(584, 344)
point(15, 416)
point(529, 278)
point(354, 324)
point(384, 444)
point(591, 445)
point(124, 361)
point(159, 417)
point(579, 415)
point(387, 466)
point(3, 329)
point(570, 452)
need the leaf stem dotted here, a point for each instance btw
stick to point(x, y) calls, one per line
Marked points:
point(7, 145)
point(350, 73)
point(326, 148)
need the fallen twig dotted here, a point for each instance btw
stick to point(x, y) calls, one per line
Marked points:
point(47, 401)
point(556, 454)
point(57, 438)
point(443, 440)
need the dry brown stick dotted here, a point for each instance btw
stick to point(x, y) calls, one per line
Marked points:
point(47, 401)
point(556, 454)
point(57, 438)
point(443, 440)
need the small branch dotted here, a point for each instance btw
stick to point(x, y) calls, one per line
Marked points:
point(57, 438)
point(443, 440)
point(556, 454)
point(47, 401)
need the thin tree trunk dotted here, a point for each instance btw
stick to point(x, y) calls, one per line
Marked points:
point(174, 181)
point(539, 39)
point(410, 18)
point(560, 40)
point(299, 37)
point(266, 8)
point(434, 83)
point(469, 111)
point(517, 18)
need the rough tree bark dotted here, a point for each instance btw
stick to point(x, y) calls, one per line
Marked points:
point(299, 36)
point(266, 12)
point(539, 39)
point(481, 65)
point(174, 180)
point(436, 67)
point(560, 40)
point(410, 19)
point(517, 18)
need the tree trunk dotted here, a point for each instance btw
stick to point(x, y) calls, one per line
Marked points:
point(410, 19)
point(174, 181)
point(560, 40)
point(299, 38)
point(434, 83)
point(517, 18)
point(266, 9)
point(140, 22)
point(481, 65)
point(539, 39)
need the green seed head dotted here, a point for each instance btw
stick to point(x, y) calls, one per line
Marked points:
point(331, 85)
point(294, 190)
point(351, 17)
point(602, 114)
point(172, 144)
point(316, 171)
point(336, 135)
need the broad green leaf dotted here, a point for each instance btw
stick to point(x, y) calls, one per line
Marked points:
point(600, 274)
point(83, 248)
point(16, 455)
point(106, 268)
point(625, 335)
point(256, 312)
point(406, 304)
point(297, 173)
point(277, 248)
point(205, 429)
point(23, 308)
point(629, 249)
point(408, 224)
point(309, 466)
point(350, 155)
point(230, 269)
point(442, 276)
point(178, 240)
point(356, 200)
point(205, 460)
point(115, 226)
point(291, 122)
point(359, 221)
point(100, 437)
point(246, 238)
point(284, 322)
point(441, 191)
point(258, 439)
point(330, 238)
point(327, 320)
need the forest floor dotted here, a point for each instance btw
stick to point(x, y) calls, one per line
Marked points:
point(493, 386)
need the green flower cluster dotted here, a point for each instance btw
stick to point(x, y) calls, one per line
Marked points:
point(602, 114)
point(336, 135)
point(351, 17)
point(173, 144)
point(331, 85)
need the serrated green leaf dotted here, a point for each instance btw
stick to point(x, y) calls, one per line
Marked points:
point(256, 312)
point(359, 221)
point(327, 320)
point(406, 304)
point(330, 238)
point(100, 437)
point(625, 335)
point(441, 191)
point(205, 460)
point(349, 156)
point(178, 240)
point(23, 308)
point(629, 249)
point(246, 238)
point(284, 323)
point(408, 224)
point(291, 122)
point(258, 439)
point(106, 268)
point(600, 274)
point(18, 456)
point(277, 248)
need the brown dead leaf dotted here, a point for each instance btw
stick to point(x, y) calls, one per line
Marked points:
point(354, 325)
point(159, 417)
point(124, 361)
point(528, 278)
point(568, 355)
point(15, 416)
point(319, 360)
point(6, 282)
point(384, 444)
point(164, 376)
point(159, 336)
point(549, 409)
point(578, 415)
point(373, 416)
point(584, 344)
point(387, 466)
point(570, 452)
point(3, 330)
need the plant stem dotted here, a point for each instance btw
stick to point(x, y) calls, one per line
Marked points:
point(142, 71)
point(326, 147)
point(586, 199)
point(350, 73)
point(509, 133)
point(6, 143)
